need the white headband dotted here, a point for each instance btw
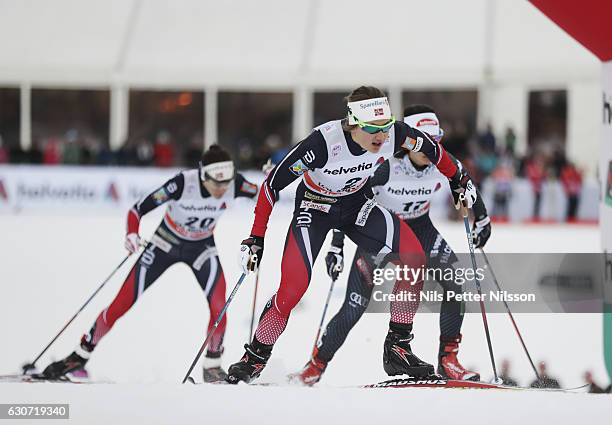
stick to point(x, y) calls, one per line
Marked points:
point(218, 171)
point(369, 110)
point(425, 121)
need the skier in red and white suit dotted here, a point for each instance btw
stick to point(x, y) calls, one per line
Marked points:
point(195, 200)
point(336, 160)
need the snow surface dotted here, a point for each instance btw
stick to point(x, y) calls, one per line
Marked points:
point(51, 264)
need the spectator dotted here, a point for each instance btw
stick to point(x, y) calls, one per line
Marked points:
point(18, 155)
point(275, 149)
point(502, 176)
point(144, 152)
point(505, 374)
point(571, 179)
point(164, 150)
point(34, 155)
point(545, 381)
point(71, 153)
point(52, 151)
point(4, 153)
point(126, 155)
point(510, 139)
point(486, 140)
point(536, 173)
point(487, 162)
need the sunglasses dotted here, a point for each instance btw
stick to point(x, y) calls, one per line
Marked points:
point(220, 184)
point(373, 128)
point(439, 136)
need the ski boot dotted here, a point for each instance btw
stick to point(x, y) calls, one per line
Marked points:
point(448, 364)
point(398, 358)
point(312, 371)
point(73, 364)
point(251, 364)
point(212, 371)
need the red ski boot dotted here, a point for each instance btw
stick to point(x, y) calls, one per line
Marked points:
point(448, 364)
point(312, 371)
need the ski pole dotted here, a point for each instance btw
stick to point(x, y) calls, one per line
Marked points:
point(254, 305)
point(464, 213)
point(32, 365)
point(518, 333)
point(331, 289)
point(214, 328)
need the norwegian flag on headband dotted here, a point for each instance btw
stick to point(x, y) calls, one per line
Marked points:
point(378, 111)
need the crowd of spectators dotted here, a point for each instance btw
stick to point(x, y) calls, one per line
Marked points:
point(73, 148)
point(483, 154)
point(487, 157)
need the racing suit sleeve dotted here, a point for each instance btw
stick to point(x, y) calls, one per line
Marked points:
point(308, 154)
point(172, 189)
point(409, 138)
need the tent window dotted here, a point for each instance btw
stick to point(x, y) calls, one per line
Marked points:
point(255, 126)
point(166, 128)
point(9, 117)
point(547, 129)
point(70, 126)
point(457, 111)
point(329, 106)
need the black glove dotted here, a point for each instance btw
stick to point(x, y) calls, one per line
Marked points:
point(482, 231)
point(251, 251)
point(334, 260)
point(463, 189)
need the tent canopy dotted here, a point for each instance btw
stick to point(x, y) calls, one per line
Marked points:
point(277, 43)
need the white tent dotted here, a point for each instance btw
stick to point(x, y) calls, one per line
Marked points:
point(502, 47)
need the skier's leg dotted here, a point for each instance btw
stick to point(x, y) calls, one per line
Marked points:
point(440, 259)
point(358, 291)
point(150, 265)
point(394, 239)
point(305, 237)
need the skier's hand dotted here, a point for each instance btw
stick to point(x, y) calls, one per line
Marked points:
point(250, 254)
point(482, 231)
point(132, 242)
point(461, 184)
point(334, 261)
point(267, 168)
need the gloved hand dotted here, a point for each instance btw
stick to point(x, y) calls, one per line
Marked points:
point(334, 260)
point(463, 190)
point(251, 251)
point(267, 168)
point(482, 231)
point(132, 242)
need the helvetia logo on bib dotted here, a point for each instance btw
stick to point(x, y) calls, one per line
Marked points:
point(355, 169)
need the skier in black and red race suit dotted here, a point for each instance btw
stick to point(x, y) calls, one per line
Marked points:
point(335, 163)
point(404, 184)
point(195, 199)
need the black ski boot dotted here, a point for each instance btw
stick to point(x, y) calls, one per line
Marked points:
point(59, 369)
point(398, 358)
point(212, 371)
point(251, 364)
point(74, 362)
